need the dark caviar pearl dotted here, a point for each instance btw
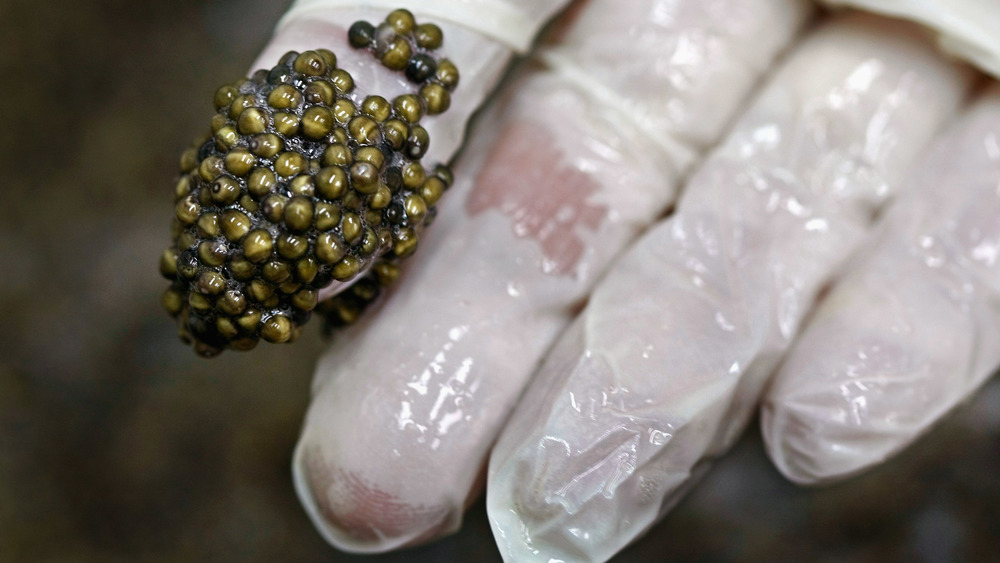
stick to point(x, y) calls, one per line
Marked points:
point(293, 247)
point(395, 133)
point(417, 143)
point(361, 34)
point(420, 67)
point(342, 81)
point(273, 208)
point(377, 108)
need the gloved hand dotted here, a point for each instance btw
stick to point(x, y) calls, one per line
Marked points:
point(663, 368)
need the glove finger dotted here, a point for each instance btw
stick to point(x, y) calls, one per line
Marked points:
point(911, 331)
point(407, 404)
point(661, 371)
point(482, 58)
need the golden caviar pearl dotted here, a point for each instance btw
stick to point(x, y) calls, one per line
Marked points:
point(319, 92)
point(252, 121)
point(241, 268)
point(284, 97)
point(371, 155)
point(351, 227)
point(289, 164)
point(292, 246)
point(225, 190)
point(208, 225)
point(168, 263)
point(428, 36)
point(302, 185)
point(397, 55)
point(257, 245)
point(436, 97)
point(405, 243)
point(261, 182)
point(299, 213)
point(364, 130)
point(172, 301)
point(413, 175)
point(401, 20)
point(329, 248)
point(286, 123)
point(212, 252)
point(226, 327)
point(381, 198)
point(329, 57)
point(218, 122)
point(310, 63)
point(249, 320)
point(224, 96)
point(187, 210)
point(210, 283)
point(317, 122)
point(260, 291)
point(386, 272)
point(239, 161)
point(232, 302)
point(276, 328)
point(235, 225)
point(409, 107)
point(346, 268)
point(273, 208)
point(276, 271)
point(377, 108)
point(342, 81)
point(396, 132)
point(199, 302)
point(306, 269)
point(210, 168)
point(416, 208)
point(327, 216)
point(432, 190)
point(447, 74)
point(305, 299)
point(331, 182)
point(189, 160)
point(240, 103)
point(343, 110)
point(364, 177)
point(266, 145)
point(337, 155)
point(247, 202)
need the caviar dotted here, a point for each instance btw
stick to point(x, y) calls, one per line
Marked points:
point(302, 183)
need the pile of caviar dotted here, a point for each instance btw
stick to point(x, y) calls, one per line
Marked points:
point(302, 183)
point(401, 44)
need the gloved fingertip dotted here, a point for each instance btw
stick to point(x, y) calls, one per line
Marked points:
point(811, 445)
point(358, 516)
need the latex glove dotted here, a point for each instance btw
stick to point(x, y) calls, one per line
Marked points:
point(581, 155)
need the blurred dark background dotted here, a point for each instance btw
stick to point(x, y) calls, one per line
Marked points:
point(118, 444)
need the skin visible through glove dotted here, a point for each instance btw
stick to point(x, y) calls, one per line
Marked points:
point(551, 217)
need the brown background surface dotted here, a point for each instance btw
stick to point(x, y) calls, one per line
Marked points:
point(118, 444)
